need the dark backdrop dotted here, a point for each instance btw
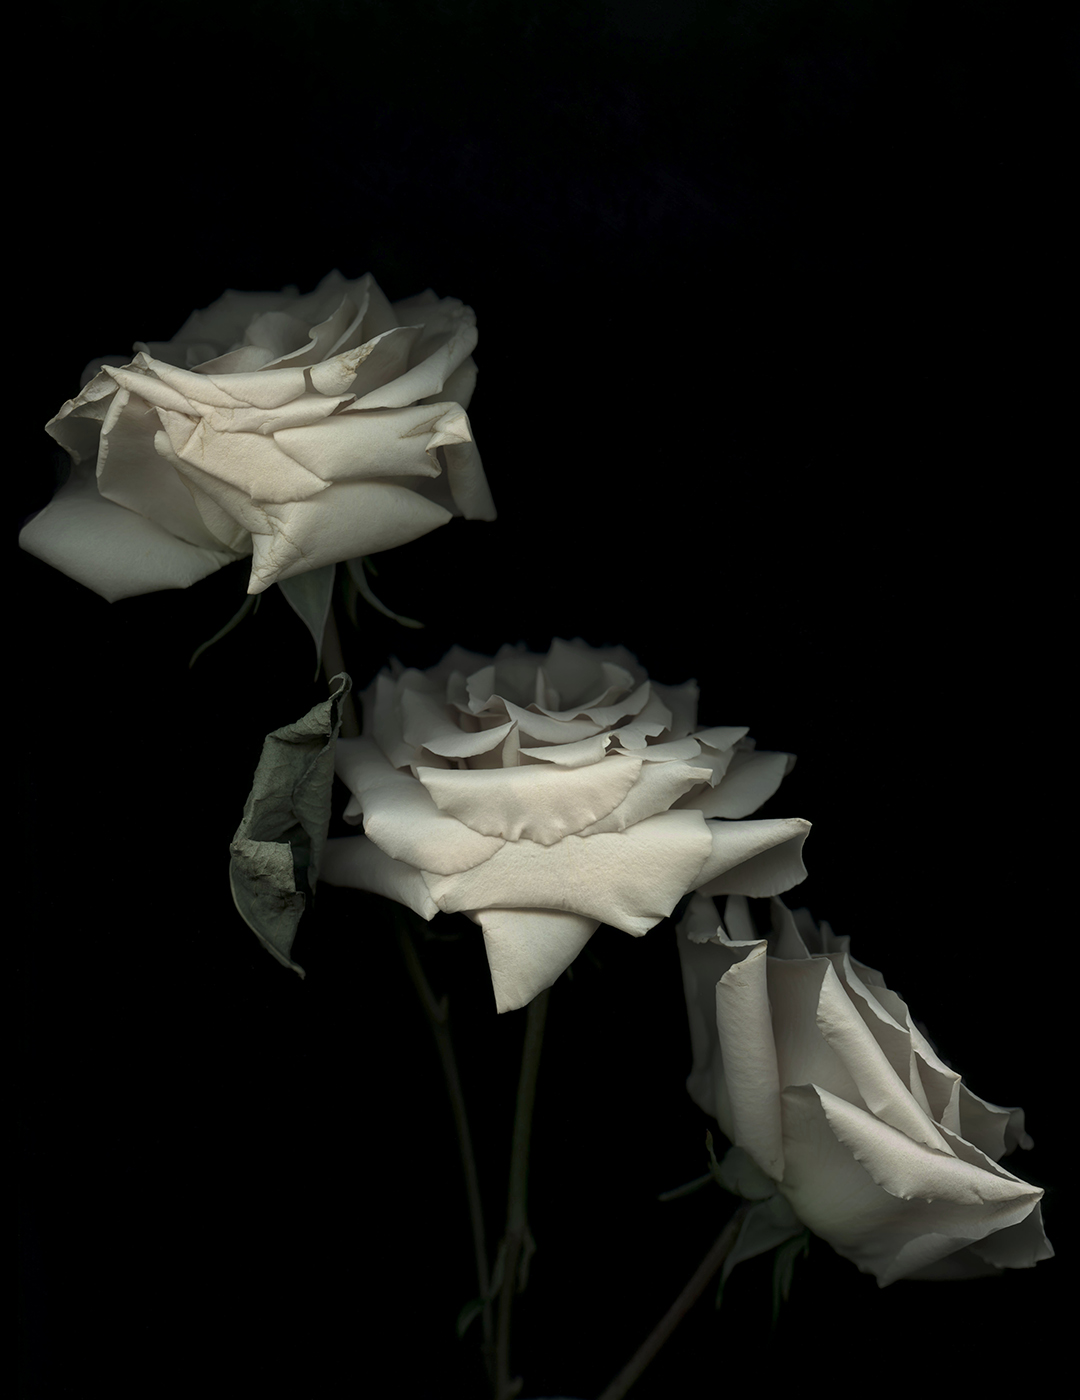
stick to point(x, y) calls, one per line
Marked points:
point(766, 295)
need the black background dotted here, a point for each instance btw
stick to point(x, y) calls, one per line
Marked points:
point(767, 295)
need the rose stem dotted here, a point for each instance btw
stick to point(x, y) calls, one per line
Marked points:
point(333, 661)
point(516, 1226)
point(678, 1310)
point(438, 1014)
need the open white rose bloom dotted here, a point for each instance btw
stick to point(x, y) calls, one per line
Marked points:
point(812, 1066)
point(545, 795)
point(298, 430)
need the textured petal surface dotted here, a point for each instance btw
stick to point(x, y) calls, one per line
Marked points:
point(528, 949)
point(630, 879)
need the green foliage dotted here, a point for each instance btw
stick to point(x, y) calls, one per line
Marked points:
point(278, 845)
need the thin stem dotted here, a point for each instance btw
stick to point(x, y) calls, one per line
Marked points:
point(516, 1223)
point(678, 1310)
point(437, 1014)
point(333, 661)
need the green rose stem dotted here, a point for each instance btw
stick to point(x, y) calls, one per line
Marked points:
point(437, 1014)
point(517, 1229)
point(678, 1310)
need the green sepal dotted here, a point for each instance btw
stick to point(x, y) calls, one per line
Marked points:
point(784, 1269)
point(278, 845)
point(252, 600)
point(472, 1309)
point(356, 569)
point(309, 597)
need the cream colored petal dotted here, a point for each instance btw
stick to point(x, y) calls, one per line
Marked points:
point(225, 321)
point(892, 1035)
point(382, 359)
point(704, 961)
point(357, 863)
point(1019, 1246)
point(328, 336)
point(349, 519)
point(358, 446)
point(750, 779)
point(723, 738)
point(880, 1087)
point(551, 731)
point(426, 724)
point(247, 462)
point(576, 755)
point(803, 1055)
point(132, 473)
point(759, 858)
point(658, 788)
point(749, 1056)
point(112, 550)
point(401, 818)
point(528, 949)
point(994, 1130)
point(629, 879)
point(682, 701)
point(890, 1205)
point(653, 719)
point(464, 471)
point(430, 376)
point(682, 750)
point(461, 384)
point(264, 388)
point(536, 802)
point(77, 427)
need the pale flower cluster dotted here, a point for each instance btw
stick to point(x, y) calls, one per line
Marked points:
point(816, 1069)
point(543, 795)
point(295, 430)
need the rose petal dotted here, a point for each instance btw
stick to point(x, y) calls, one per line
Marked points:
point(536, 802)
point(749, 780)
point(758, 858)
point(749, 1060)
point(349, 519)
point(888, 1204)
point(429, 377)
point(112, 550)
point(131, 473)
point(356, 862)
point(630, 879)
point(401, 818)
point(528, 949)
point(658, 787)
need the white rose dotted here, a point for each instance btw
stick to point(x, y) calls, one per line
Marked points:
point(300, 430)
point(545, 795)
point(815, 1069)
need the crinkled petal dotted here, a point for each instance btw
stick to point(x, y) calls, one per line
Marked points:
point(349, 519)
point(131, 472)
point(528, 949)
point(360, 446)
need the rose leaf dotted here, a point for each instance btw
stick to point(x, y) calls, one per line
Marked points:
point(278, 845)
